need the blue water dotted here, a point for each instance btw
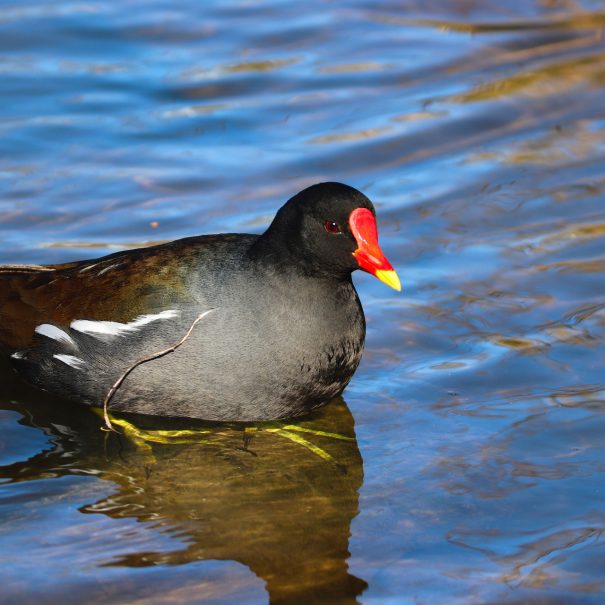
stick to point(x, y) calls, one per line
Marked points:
point(476, 470)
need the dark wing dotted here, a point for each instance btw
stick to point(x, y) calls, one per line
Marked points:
point(118, 287)
point(73, 329)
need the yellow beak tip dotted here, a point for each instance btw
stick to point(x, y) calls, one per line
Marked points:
point(390, 278)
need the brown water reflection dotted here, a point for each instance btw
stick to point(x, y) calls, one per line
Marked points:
point(267, 502)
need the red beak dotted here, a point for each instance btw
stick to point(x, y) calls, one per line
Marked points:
point(368, 254)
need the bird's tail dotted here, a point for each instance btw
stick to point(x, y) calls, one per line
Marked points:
point(14, 310)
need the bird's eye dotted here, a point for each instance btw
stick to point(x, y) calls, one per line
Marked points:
point(332, 227)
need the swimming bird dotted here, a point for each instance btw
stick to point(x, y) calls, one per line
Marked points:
point(252, 327)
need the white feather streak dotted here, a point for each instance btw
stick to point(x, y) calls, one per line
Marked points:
point(70, 360)
point(55, 333)
point(114, 328)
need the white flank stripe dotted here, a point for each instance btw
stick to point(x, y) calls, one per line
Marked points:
point(88, 268)
point(114, 328)
point(18, 355)
point(70, 360)
point(108, 268)
point(55, 333)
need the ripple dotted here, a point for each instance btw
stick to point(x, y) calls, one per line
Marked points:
point(193, 111)
point(593, 265)
point(347, 68)
point(587, 20)
point(551, 238)
point(258, 66)
point(523, 344)
point(350, 137)
point(537, 560)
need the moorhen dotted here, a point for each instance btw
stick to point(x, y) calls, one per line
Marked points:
point(268, 326)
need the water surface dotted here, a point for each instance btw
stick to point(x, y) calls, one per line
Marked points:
point(465, 463)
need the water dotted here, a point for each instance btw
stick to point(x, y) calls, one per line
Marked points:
point(473, 468)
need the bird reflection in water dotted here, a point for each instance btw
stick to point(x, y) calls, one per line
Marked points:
point(281, 505)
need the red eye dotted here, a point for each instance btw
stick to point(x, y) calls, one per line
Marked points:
point(332, 227)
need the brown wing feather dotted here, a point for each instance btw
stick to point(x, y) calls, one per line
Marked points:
point(119, 287)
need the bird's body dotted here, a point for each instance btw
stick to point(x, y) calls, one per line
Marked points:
point(278, 336)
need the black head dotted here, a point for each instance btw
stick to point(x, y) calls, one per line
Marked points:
point(328, 229)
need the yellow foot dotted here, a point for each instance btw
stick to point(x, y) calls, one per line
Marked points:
point(143, 438)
